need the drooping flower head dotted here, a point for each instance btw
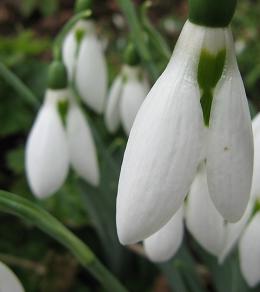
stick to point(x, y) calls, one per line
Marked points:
point(85, 61)
point(127, 94)
point(59, 136)
point(47, 155)
point(200, 88)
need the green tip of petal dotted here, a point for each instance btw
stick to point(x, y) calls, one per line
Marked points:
point(57, 76)
point(212, 13)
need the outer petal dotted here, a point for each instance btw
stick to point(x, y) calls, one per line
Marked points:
point(69, 49)
point(8, 280)
point(112, 115)
point(249, 251)
point(256, 173)
point(91, 73)
point(230, 143)
point(133, 95)
point(82, 148)
point(47, 159)
point(203, 220)
point(164, 244)
point(163, 149)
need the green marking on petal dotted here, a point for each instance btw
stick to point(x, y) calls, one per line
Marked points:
point(79, 34)
point(210, 70)
point(63, 106)
point(256, 207)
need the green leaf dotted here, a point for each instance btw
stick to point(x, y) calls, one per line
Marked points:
point(13, 204)
point(138, 36)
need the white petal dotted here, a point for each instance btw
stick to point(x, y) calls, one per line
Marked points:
point(8, 280)
point(202, 219)
point(112, 116)
point(256, 173)
point(91, 73)
point(82, 149)
point(47, 159)
point(164, 244)
point(230, 143)
point(234, 231)
point(249, 252)
point(133, 94)
point(69, 49)
point(163, 149)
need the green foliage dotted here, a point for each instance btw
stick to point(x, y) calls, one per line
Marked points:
point(15, 49)
point(46, 7)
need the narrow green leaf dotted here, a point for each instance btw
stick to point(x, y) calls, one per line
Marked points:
point(19, 86)
point(138, 36)
point(13, 204)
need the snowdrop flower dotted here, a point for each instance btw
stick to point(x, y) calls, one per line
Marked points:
point(201, 87)
point(53, 144)
point(126, 96)
point(82, 148)
point(249, 252)
point(8, 280)
point(206, 224)
point(164, 244)
point(85, 61)
point(47, 155)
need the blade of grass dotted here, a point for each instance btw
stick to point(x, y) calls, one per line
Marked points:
point(138, 36)
point(22, 89)
point(13, 204)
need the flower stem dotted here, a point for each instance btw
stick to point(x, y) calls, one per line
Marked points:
point(154, 36)
point(138, 36)
point(57, 47)
point(13, 204)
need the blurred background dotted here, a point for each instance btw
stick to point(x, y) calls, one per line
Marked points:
point(27, 30)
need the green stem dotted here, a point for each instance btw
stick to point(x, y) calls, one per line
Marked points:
point(138, 36)
point(19, 86)
point(13, 204)
point(57, 47)
point(154, 36)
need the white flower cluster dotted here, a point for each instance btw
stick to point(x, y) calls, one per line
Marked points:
point(54, 144)
point(193, 135)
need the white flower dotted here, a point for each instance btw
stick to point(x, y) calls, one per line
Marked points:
point(8, 280)
point(164, 244)
point(84, 58)
point(52, 146)
point(249, 252)
point(47, 157)
point(126, 96)
point(166, 141)
point(206, 224)
point(82, 148)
